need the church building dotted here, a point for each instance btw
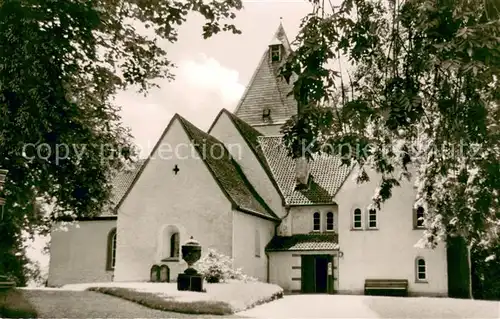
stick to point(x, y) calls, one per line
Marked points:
point(235, 190)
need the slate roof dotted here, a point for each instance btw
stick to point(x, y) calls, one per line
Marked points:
point(227, 172)
point(327, 173)
point(303, 242)
point(266, 90)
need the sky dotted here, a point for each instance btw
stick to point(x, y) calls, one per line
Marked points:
point(211, 75)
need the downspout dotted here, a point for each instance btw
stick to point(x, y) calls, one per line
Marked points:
point(287, 208)
point(268, 268)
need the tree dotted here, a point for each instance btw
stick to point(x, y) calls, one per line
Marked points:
point(422, 92)
point(61, 62)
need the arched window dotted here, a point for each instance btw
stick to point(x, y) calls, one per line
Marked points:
point(329, 221)
point(419, 217)
point(357, 221)
point(168, 243)
point(421, 269)
point(111, 250)
point(174, 245)
point(316, 221)
point(372, 218)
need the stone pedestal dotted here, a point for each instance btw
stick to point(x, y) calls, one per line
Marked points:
point(190, 282)
point(190, 279)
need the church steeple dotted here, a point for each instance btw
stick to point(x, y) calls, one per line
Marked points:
point(265, 104)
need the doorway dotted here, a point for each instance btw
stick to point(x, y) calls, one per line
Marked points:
point(315, 274)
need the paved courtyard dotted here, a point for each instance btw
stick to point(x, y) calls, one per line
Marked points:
point(341, 306)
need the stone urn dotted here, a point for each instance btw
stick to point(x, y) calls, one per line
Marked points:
point(191, 253)
point(190, 279)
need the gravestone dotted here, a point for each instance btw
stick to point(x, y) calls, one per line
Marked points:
point(155, 274)
point(164, 273)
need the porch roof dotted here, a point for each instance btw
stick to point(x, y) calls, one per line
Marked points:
point(303, 242)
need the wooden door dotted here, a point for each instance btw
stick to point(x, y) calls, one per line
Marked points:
point(308, 278)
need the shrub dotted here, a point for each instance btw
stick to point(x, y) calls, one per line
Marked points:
point(217, 267)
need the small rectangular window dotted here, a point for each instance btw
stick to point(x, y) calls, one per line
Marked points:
point(372, 218)
point(419, 217)
point(275, 53)
point(316, 222)
point(329, 221)
point(357, 223)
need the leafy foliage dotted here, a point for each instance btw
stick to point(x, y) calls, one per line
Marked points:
point(61, 64)
point(217, 268)
point(421, 96)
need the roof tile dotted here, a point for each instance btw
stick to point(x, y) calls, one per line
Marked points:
point(303, 242)
point(268, 91)
point(227, 172)
point(327, 173)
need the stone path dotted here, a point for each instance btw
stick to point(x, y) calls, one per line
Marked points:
point(89, 304)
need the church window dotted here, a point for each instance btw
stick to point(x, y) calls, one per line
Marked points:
point(357, 224)
point(329, 221)
point(275, 53)
point(421, 269)
point(257, 243)
point(111, 248)
point(174, 245)
point(316, 221)
point(418, 218)
point(372, 218)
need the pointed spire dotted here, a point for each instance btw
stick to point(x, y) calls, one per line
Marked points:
point(280, 37)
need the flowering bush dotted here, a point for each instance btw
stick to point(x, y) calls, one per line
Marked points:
point(217, 267)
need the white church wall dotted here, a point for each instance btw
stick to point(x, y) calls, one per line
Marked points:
point(302, 218)
point(225, 131)
point(389, 251)
point(79, 255)
point(248, 252)
point(191, 200)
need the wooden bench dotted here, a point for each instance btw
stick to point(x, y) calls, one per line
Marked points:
point(391, 287)
point(6, 284)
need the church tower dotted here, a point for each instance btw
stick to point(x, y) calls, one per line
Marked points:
point(265, 104)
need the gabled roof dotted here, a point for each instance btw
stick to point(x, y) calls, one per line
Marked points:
point(122, 182)
point(251, 137)
point(267, 91)
point(227, 172)
point(327, 174)
point(303, 242)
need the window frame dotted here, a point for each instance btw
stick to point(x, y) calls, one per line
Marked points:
point(275, 48)
point(354, 227)
point(418, 272)
point(332, 221)
point(174, 245)
point(111, 250)
point(370, 214)
point(314, 222)
point(416, 218)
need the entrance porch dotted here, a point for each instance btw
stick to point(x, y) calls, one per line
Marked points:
point(304, 263)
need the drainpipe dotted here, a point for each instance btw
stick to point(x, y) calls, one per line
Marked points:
point(268, 268)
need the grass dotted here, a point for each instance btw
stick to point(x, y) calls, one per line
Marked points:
point(13, 304)
point(153, 301)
